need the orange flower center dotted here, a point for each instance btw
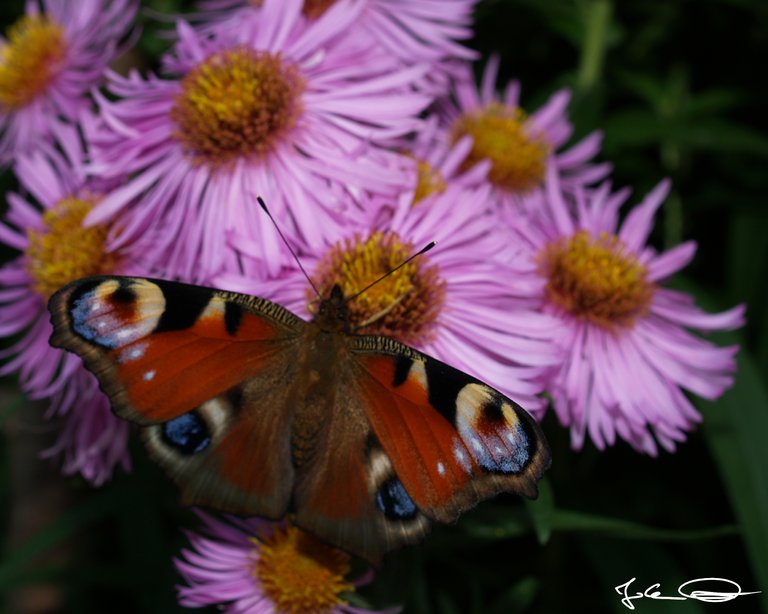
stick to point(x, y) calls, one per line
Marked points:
point(518, 158)
point(404, 305)
point(430, 181)
point(596, 280)
point(29, 61)
point(238, 103)
point(300, 574)
point(65, 250)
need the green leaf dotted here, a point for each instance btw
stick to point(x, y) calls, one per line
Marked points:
point(736, 428)
point(517, 598)
point(496, 522)
point(542, 511)
point(57, 531)
point(10, 408)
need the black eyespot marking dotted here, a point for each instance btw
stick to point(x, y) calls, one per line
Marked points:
point(402, 369)
point(187, 434)
point(492, 411)
point(233, 314)
point(124, 294)
point(183, 305)
point(394, 501)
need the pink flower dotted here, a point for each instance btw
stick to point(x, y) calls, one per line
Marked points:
point(413, 31)
point(271, 107)
point(46, 227)
point(459, 303)
point(521, 147)
point(91, 441)
point(52, 57)
point(257, 566)
point(626, 352)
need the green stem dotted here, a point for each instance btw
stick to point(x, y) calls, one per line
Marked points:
point(597, 17)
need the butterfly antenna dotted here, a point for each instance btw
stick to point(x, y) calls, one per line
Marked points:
point(423, 250)
point(288, 245)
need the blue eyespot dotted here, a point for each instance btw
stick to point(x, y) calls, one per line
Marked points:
point(188, 433)
point(394, 501)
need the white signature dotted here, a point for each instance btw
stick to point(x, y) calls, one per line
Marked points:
point(685, 591)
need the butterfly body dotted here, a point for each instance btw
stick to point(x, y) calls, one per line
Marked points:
point(255, 411)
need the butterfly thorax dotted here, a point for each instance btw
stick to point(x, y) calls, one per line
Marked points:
point(322, 354)
point(333, 315)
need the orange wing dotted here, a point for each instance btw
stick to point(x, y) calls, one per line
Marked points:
point(452, 440)
point(204, 372)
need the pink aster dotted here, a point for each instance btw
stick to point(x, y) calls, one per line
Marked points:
point(627, 354)
point(413, 31)
point(45, 225)
point(50, 60)
point(253, 565)
point(469, 301)
point(521, 146)
point(273, 107)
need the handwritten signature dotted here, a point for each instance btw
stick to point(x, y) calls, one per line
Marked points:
point(685, 590)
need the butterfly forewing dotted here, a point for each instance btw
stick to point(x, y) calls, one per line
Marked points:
point(204, 371)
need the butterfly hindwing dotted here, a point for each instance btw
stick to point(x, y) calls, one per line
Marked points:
point(202, 371)
point(451, 439)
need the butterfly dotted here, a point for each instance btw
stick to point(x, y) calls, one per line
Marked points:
point(255, 411)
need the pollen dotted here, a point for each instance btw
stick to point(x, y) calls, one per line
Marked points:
point(31, 58)
point(430, 181)
point(238, 103)
point(300, 574)
point(405, 304)
point(63, 249)
point(518, 157)
point(596, 280)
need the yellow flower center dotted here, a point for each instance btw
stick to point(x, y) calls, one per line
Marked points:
point(404, 305)
point(596, 280)
point(30, 59)
point(518, 158)
point(430, 181)
point(65, 250)
point(299, 573)
point(238, 103)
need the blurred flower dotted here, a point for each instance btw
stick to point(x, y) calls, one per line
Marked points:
point(626, 352)
point(51, 58)
point(413, 31)
point(46, 227)
point(451, 303)
point(521, 147)
point(91, 440)
point(269, 107)
point(255, 565)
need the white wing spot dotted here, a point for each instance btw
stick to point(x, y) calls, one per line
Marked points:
point(441, 468)
point(149, 375)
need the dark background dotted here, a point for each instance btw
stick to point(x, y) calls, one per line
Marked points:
point(679, 89)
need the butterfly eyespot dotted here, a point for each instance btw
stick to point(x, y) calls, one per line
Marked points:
point(187, 434)
point(392, 499)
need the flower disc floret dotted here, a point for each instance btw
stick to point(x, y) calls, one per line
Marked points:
point(65, 250)
point(237, 103)
point(299, 573)
point(404, 305)
point(596, 279)
point(518, 158)
point(35, 50)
